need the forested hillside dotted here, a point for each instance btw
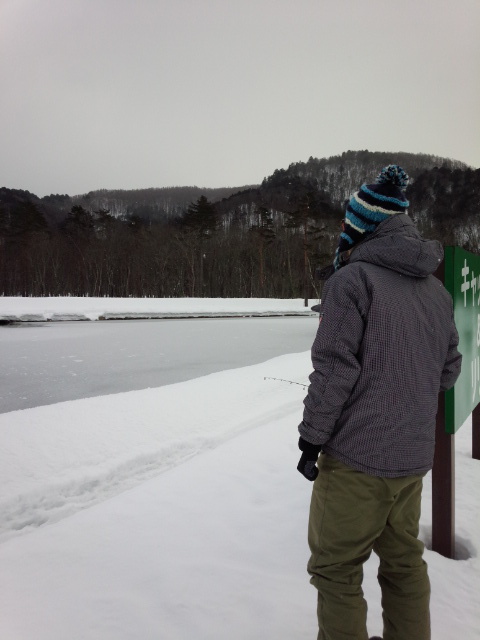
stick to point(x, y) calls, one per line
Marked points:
point(259, 241)
point(342, 175)
point(152, 205)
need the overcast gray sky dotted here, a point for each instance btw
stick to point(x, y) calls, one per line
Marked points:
point(153, 93)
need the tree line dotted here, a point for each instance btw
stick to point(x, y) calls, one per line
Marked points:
point(253, 252)
point(263, 241)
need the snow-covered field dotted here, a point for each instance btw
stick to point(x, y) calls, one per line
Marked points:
point(17, 309)
point(178, 512)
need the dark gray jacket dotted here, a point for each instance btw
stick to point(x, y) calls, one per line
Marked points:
point(386, 345)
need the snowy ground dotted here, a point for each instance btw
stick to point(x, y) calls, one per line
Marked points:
point(17, 309)
point(177, 512)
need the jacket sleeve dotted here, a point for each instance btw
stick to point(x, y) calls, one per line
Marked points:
point(334, 358)
point(453, 362)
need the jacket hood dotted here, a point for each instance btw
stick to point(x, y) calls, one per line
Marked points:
point(396, 244)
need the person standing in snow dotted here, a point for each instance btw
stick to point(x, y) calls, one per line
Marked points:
point(385, 346)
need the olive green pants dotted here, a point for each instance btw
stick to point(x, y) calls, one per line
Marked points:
point(352, 513)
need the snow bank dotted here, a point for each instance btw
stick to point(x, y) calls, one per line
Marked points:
point(57, 459)
point(196, 519)
point(19, 309)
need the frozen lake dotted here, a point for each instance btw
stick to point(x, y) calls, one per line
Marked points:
point(44, 363)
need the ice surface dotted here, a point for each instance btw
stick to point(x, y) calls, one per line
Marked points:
point(44, 363)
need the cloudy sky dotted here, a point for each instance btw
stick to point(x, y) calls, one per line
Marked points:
point(151, 93)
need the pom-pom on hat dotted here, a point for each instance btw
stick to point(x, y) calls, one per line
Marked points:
point(371, 205)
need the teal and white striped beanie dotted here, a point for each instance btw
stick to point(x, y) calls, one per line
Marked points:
point(370, 206)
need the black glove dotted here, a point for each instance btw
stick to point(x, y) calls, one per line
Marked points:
point(307, 465)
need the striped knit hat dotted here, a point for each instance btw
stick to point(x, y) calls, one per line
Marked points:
point(372, 204)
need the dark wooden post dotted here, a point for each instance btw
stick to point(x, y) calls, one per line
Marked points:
point(443, 487)
point(476, 433)
point(443, 477)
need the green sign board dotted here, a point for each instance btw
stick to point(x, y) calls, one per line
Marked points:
point(462, 280)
